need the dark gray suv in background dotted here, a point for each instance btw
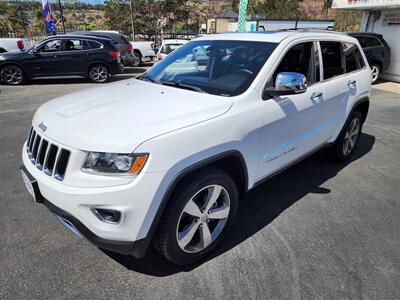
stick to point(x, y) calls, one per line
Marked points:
point(376, 50)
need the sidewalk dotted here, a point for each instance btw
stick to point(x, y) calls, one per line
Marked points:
point(388, 86)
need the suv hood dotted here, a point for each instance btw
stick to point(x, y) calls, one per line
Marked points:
point(120, 116)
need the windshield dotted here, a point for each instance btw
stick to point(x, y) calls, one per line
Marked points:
point(219, 67)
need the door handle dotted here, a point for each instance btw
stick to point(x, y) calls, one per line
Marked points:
point(316, 95)
point(351, 83)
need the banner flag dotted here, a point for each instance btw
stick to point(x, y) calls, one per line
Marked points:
point(242, 15)
point(48, 17)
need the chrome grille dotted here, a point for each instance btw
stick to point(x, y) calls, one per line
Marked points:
point(47, 156)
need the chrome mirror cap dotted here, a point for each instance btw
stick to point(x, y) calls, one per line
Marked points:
point(287, 83)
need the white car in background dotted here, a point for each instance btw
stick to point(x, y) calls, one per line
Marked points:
point(143, 51)
point(10, 44)
point(168, 46)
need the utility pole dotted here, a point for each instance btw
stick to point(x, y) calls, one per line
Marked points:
point(62, 15)
point(132, 21)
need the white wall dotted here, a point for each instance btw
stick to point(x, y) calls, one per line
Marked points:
point(391, 33)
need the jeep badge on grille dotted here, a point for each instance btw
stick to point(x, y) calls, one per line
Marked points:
point(42, 127)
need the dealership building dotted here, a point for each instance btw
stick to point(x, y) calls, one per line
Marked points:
point(383, 17)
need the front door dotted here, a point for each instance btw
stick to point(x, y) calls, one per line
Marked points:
point(292, 125)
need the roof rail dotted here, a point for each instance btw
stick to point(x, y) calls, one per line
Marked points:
point(313, 30)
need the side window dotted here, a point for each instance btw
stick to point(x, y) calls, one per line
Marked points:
point(93, 45)
point(299, 59)
point(354, 60)
point(332, 61)
point(73, 45)
point(371, 42)
point(51, 46)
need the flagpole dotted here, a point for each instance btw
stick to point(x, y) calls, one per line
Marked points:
point(62, 15)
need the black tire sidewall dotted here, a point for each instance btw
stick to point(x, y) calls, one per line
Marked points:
point(139, 60)
point(169, 245)
point(339, 145)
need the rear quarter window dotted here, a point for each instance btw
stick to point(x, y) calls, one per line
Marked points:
point(93, 45)
point(369, 41)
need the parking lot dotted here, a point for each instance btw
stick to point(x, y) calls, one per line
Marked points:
point(320, 230)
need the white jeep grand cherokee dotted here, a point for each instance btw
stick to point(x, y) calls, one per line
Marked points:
point(165, 157)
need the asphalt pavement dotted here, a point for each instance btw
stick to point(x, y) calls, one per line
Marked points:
point(320, 230)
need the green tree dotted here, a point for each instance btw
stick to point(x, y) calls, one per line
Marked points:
point(347, 20)
point(278, 9)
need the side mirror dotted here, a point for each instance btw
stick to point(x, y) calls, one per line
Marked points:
point(287, 83)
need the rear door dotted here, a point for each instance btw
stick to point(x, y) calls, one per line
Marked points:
point(76, 56)
point(343, 68)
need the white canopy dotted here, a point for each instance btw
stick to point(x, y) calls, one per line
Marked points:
point(366, 4)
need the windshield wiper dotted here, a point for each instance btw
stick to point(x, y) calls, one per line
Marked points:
point(183, 86)
point(141, 77)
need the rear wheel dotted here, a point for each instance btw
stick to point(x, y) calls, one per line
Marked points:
point(348, 139)
point(137, 60)
point(198, 216)
point(12, 75)
point(98, 73)
point(375, 71)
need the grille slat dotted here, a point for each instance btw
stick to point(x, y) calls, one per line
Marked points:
point(36, 148)
point(42, 154)
point(31, 143)
point(62, 163)
point(48, 157)
point(50, 160)
point(29, 137)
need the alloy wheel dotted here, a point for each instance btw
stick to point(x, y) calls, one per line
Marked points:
point(99, 73)
point(375, 73)
point(203, 218)
point(12, 75)
point(351, 136)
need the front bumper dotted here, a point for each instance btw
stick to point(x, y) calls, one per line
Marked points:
point(135, 248)
point(137, 200)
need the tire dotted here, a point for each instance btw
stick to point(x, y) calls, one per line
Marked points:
point(138, 60)
point(375, 71)
point(185, 238)
point(348, 139)
point(12, 75)
point(98, 73)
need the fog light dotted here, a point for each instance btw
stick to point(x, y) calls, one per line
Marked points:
point(107, 215)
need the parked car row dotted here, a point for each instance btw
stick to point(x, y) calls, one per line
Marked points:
point(99, 54)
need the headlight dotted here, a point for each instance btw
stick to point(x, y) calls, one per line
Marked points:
point(114, 163)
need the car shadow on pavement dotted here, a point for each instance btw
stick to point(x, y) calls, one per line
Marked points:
point(259, 208)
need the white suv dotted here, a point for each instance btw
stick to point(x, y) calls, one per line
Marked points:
point(166, 157)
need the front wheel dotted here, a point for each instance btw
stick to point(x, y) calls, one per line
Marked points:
point(349, 137)
point(198, 216)
point(12, 75)
point(98, 73)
